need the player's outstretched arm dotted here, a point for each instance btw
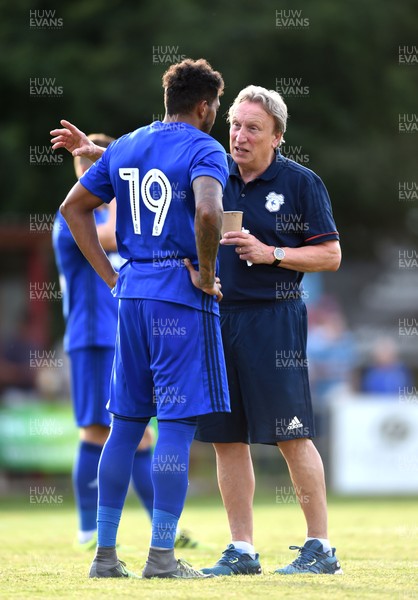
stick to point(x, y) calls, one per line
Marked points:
point(75, 141)
point(208, 224)
point(77, 209)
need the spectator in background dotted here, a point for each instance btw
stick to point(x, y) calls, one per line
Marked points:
point(332, 357)
point(332, 351)
point(387, 373)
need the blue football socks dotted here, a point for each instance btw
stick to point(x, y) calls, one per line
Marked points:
point(141, 478)
point(170, 466)
point(85, 484)
point(115, 470)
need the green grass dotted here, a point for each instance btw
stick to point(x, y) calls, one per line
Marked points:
point(377, 542)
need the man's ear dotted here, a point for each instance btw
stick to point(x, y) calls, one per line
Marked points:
point(202, 108)
point(277, 140)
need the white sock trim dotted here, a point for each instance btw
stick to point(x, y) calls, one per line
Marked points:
point(86, 536)
point(325, 544)
point(244, 547)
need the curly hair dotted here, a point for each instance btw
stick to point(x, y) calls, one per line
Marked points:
point(188, 83)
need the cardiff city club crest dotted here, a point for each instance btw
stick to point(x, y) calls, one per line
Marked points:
point(274, 201)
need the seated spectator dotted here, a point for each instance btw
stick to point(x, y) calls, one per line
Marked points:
point(387, 373)
point(332, 353)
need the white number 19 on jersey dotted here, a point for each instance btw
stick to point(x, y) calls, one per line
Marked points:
point(158, 206)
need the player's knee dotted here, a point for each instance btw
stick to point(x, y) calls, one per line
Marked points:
point(94, 434)
point(294, 448)
point(147, 439)
point(234, 449)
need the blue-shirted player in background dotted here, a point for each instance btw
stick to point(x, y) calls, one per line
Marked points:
point(91, 314)
point(168, 179)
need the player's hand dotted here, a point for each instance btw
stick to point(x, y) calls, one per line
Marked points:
point(213, 289)
point(73, 140)
point(248, 247)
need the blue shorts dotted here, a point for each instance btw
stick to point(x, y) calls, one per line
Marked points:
point(265, 353)
point(169, 362)
point(90, 378)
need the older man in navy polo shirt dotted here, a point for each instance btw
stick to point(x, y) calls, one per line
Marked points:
point(288, 214)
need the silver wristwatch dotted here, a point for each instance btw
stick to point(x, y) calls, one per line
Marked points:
point(279, 255)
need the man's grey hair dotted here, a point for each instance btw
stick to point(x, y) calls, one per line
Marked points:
point(271, 101)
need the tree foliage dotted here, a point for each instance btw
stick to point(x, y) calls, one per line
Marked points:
point(109, 58)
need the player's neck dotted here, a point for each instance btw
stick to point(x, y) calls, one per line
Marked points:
point(180, 118)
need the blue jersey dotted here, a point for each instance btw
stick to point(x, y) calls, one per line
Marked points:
point(287, 205)
point(151, 171)
point(90, 310)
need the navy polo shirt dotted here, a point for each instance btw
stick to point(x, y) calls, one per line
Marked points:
point(289, 206)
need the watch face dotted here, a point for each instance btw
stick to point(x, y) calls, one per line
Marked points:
point(279, 253)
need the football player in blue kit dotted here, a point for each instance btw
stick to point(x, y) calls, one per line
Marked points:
point(168, 179)
point(91, 313)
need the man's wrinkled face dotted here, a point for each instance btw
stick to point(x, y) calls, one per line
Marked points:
point(252, 136)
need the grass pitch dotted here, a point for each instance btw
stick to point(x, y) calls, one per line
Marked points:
point(376, 539)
